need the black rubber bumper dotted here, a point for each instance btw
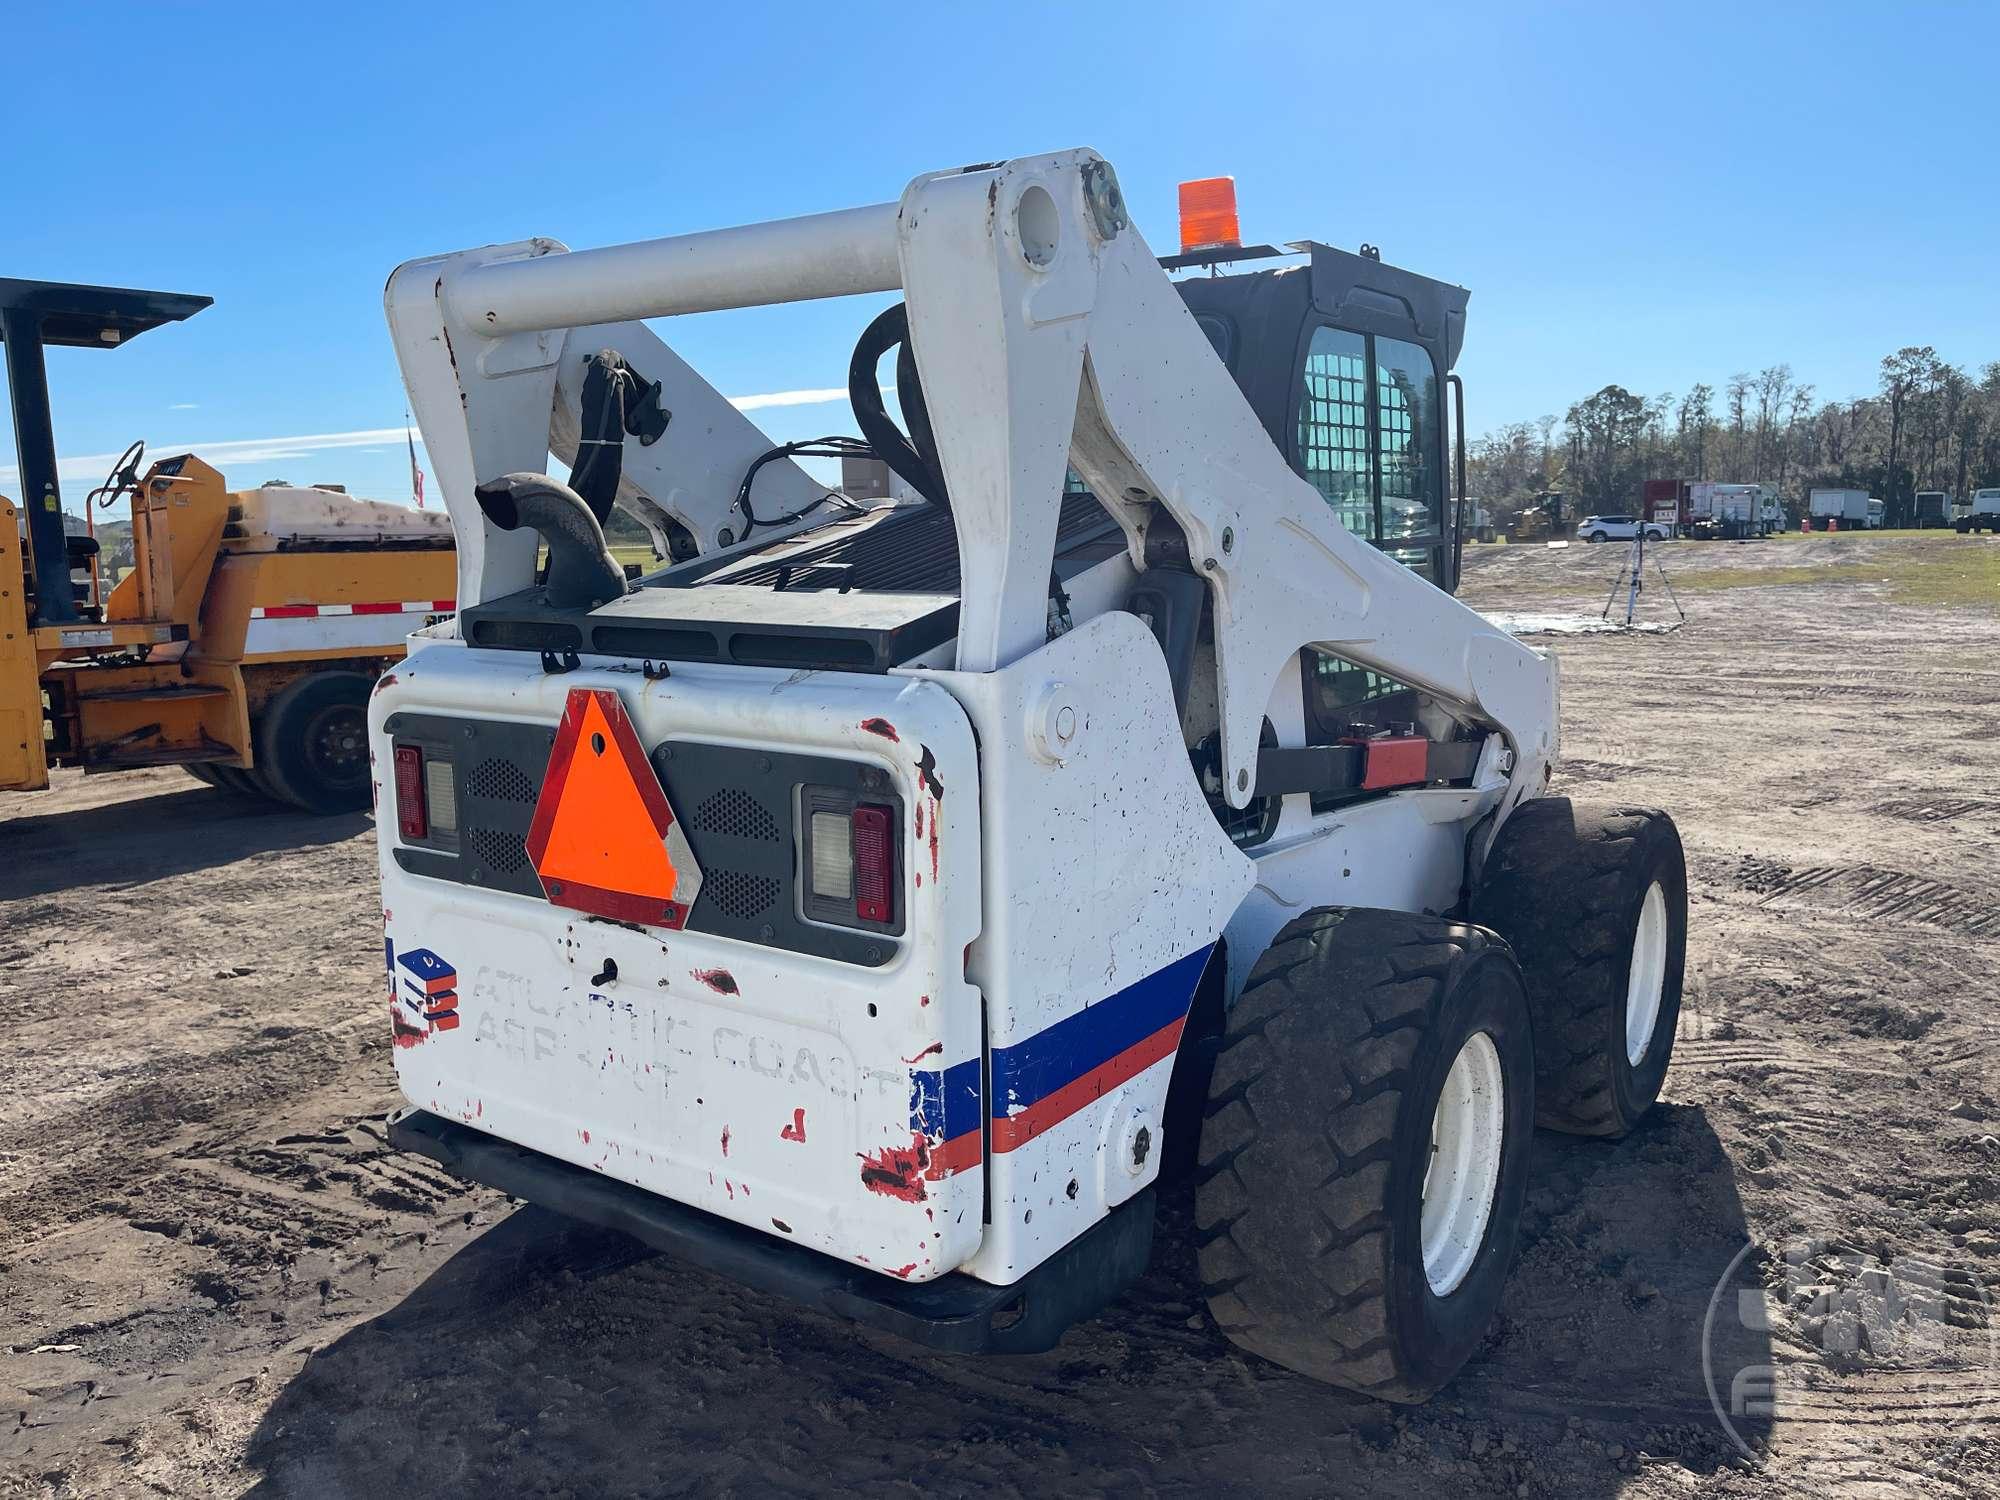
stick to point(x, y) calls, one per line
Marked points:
point(953, 1313)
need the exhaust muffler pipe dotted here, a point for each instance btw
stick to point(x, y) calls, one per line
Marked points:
point(582, 572)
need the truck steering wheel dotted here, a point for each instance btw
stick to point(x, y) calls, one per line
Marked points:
point(124, 476)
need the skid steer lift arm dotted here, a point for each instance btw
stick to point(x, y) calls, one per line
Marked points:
point(1046, 336)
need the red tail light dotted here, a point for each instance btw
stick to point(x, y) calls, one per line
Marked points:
point(874, 864)
point(412, 812)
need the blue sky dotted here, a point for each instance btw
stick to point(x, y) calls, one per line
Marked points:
point(1654, 195)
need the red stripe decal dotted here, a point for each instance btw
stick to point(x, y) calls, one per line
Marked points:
point(444, 606)
point(954, 1155)
point(290, 611)
point(1011, 1131)
point(380, 609)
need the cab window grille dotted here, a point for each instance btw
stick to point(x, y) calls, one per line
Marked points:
point(1333, 427)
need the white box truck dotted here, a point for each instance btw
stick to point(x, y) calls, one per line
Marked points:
point(1847, 507)
point(1731, 512)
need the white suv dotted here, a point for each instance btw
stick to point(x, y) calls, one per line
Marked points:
point(1617, 529)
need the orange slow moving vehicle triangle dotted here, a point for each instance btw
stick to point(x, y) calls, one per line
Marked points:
point(604, 839)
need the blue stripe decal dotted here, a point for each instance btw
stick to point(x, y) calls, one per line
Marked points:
point(945, 1104)
point(1057, 1056)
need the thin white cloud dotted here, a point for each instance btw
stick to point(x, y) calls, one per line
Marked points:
point(270, 449)
point(184, 406)
point(789, 398)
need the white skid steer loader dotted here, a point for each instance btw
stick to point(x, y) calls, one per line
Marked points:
point(867, 904)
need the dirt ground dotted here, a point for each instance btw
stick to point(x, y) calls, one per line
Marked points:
point(215, 1278)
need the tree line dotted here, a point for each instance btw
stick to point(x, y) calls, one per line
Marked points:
point(1930, 426)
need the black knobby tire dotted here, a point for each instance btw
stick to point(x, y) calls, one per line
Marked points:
point(312, 744)
point(1597, 536)
point(1309, 1191)
point(231, 779)
point(1565, 885)
point(243, 783)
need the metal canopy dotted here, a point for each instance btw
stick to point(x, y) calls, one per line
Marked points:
point(34, 315)
point(94, 317)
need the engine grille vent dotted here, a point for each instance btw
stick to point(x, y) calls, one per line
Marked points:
point(913, 552)
point(500, 781)
point(499, 850)
point(743, 897)
point(738, 814)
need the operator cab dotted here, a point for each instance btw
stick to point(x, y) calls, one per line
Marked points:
point(1345, 360)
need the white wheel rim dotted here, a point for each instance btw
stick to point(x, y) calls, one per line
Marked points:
point(1467, 1130)
point(1648, 980)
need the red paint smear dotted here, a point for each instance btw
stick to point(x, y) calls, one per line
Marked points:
point(386, 680)
point(882, 727)
point(902, 1271)
point(720, 980)
point(586, 1136)
point(897, 1171)
point(725, 1140)
point(933, 1047)
point(405, 1034)
point(730, 1188)
point(934, 831)
point(923, 999)
point(796, 1131)
point(920, 820)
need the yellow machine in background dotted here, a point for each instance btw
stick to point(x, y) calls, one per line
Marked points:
point(244, 642)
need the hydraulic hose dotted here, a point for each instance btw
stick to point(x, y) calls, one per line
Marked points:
point(918, 470)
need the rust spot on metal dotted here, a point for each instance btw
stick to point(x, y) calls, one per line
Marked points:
point(386, 680)
point(927, 773)
point(882, 727)
point(796, 1131)
point(406, 1035)
point(720, 980)
point(897, 1171)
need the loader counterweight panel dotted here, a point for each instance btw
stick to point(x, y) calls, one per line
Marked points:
point(829, 1098)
